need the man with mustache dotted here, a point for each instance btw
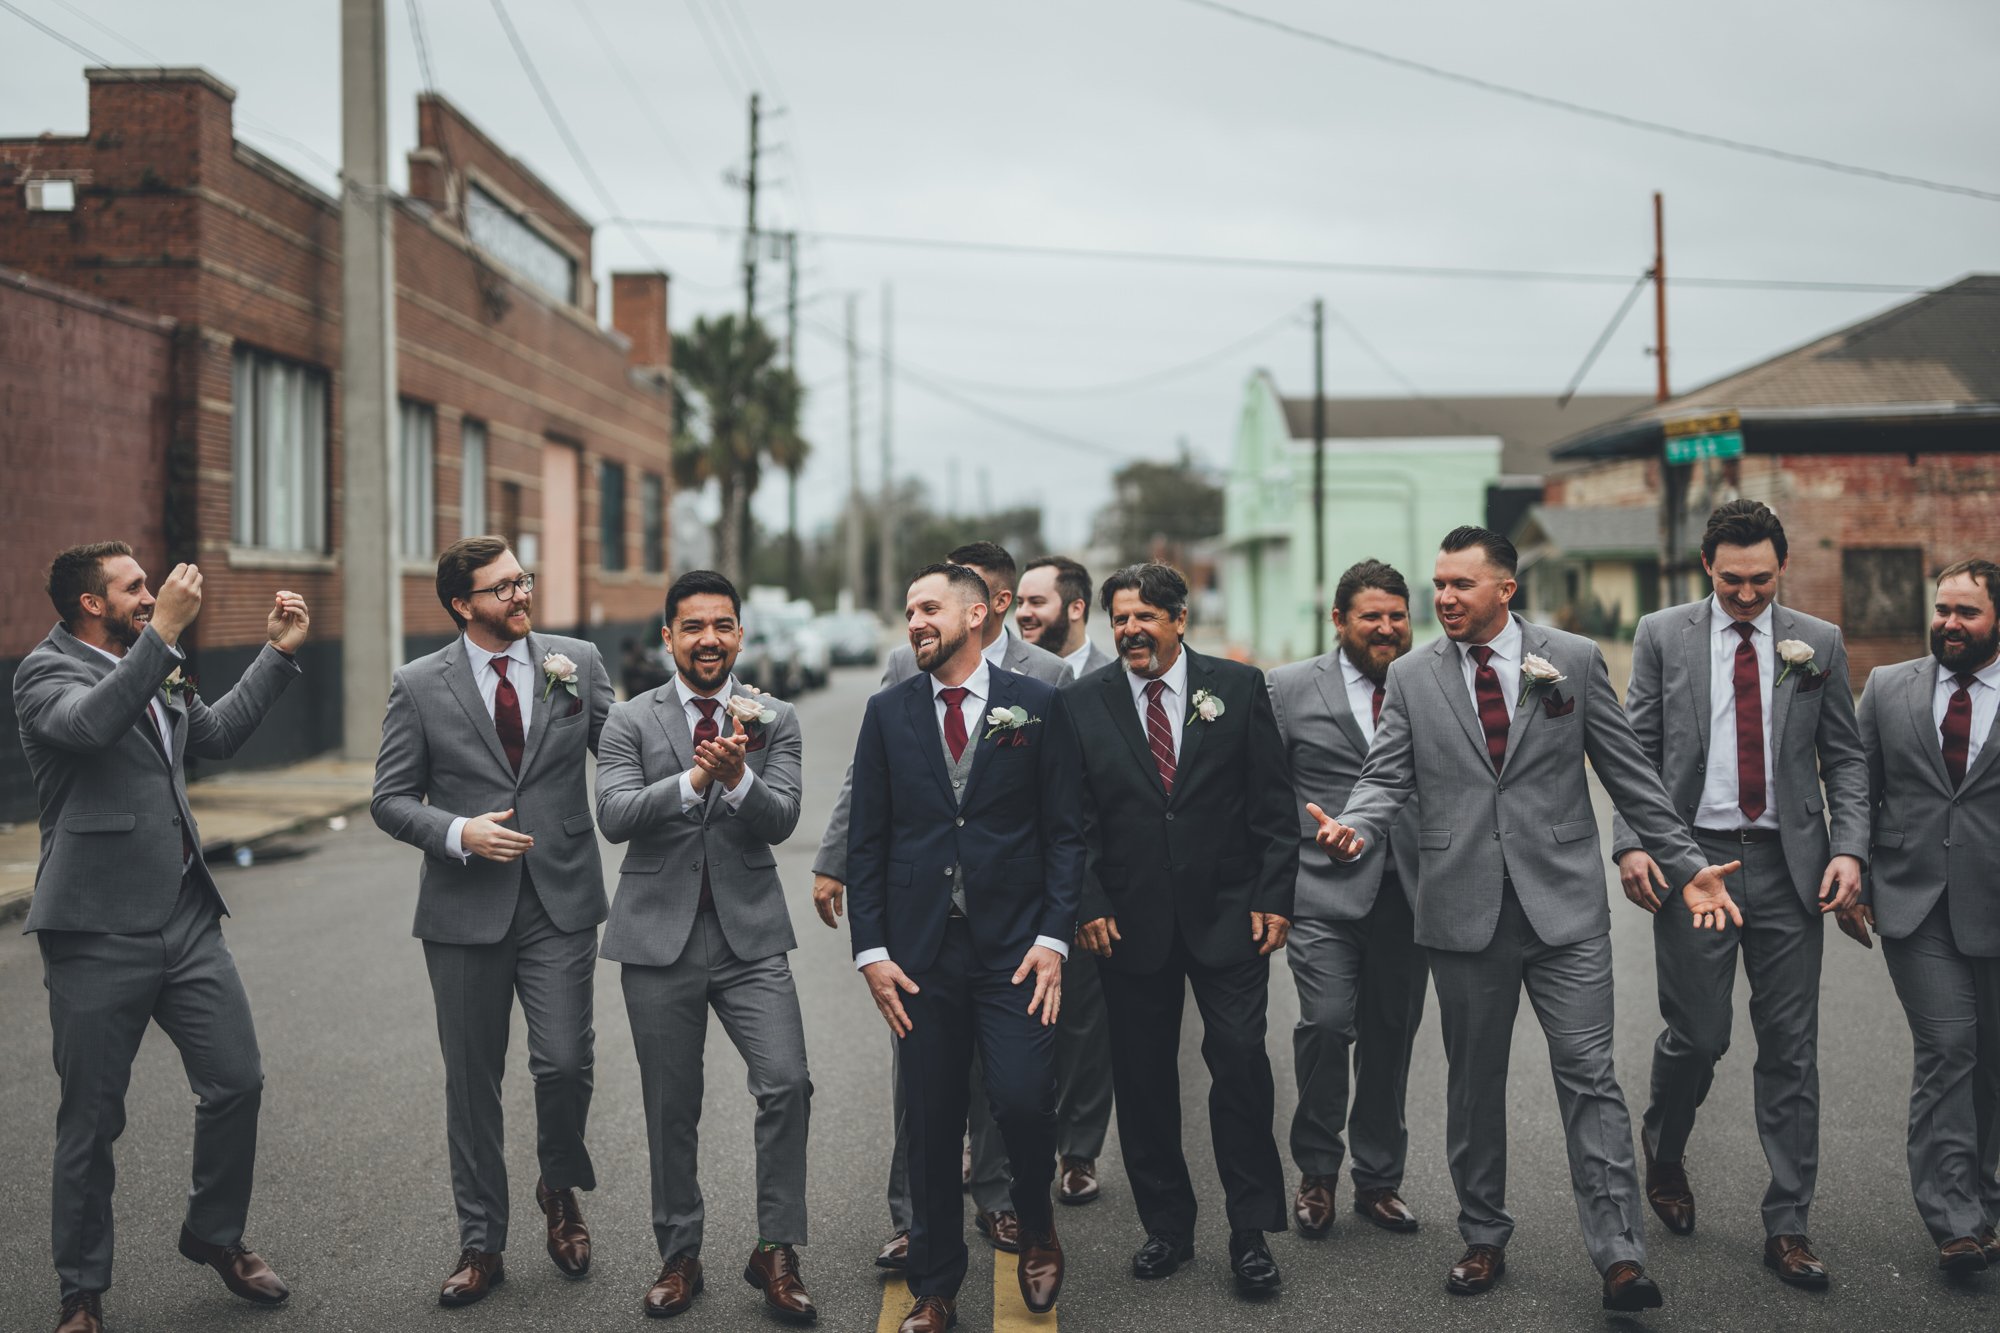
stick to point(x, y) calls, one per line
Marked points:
point(125, 911)
point(967, 856)
point(1193, 835)
point(1747, 783)
point(502, 720)
point(1929, 729)
point(987, 1159)
point(700, 922)
point(1490, 728)
point(1052, 611)
point(1352, 951)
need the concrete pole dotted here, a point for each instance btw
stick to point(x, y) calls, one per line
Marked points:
point(856, 516)
point(371, 642)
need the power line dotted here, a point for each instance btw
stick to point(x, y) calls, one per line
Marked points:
point(1594, 113)
point(1289, 319)
point(1192, 259)
point(736, 90)
point(1596, 348)
point(645, 105)
point(421, 37)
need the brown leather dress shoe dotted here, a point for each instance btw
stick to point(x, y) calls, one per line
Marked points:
point(242, 1271)
point(1312, 1208)
point(569, 1239)
point(1476, 1270)
point(1386, 1209)
point(1962, 1256)
point(1628, 1289)
point(81, 1313)
point(775, 1272)
point(895, 1255)
point(1041, 1271)
point(1076, 1180)
point(1002, 1228)
point(1792, 1259)
point(931, 1314)
point(1668, 1191)
point(1989, 1244)
point(478, 1272)
point(674, 1290)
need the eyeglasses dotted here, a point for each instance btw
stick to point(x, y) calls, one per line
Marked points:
point(504, 590)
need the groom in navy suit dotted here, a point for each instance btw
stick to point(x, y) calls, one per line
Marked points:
point(965, 865)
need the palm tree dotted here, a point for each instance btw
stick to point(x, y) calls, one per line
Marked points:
point(784, 396)
point(721, 398)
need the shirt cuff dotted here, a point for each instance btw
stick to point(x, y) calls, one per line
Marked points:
point(1051, 942)
point(867, 956)
point(453, 839)
point(734, 799)
point(690, 798)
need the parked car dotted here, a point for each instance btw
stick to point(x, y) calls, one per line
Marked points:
point(811, 650)
point(854, 638)
point(769, 659)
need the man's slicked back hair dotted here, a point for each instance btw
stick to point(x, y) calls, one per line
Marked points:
point(989, 556)
point(1157, 585)
point(1743, 523)
point(456, 566)
point(962, 577)
point(1499, 551)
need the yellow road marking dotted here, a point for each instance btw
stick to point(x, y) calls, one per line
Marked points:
point(896, 1303)
point(1010, 1312)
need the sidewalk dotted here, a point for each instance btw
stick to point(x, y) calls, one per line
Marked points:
point(233, 810)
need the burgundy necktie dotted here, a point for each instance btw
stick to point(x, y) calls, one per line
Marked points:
point(954, 719)
point(1749, 728)
point(1957, 729)
point(1160, 734)
point(1380, 695)
point(1492, 706)
point(507, 715)
point(706, 730)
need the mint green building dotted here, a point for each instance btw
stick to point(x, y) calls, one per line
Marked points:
point(1400, 473)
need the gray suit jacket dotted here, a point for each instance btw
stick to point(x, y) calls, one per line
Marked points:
point(645, 748)
point(1020, 656)
point(1093, 659)
point(113, 807)
point(1813, 734)
point(1325, 749)
point(1533, 821)
point(1928, 838)
point(441, 759)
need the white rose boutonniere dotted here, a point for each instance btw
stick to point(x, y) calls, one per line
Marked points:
point(1206, 706)
point(178, 682)
point(1797, 655)
point(558, 670)
point(750, 712)
point(1003, 721)
point(1537, 673)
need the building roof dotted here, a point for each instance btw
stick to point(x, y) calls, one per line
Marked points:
point(1932, 362)
point(1527, 425)
point(1602, 531)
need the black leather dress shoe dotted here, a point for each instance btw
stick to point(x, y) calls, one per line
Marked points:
point(1250, 1259)
point(1161, 1255)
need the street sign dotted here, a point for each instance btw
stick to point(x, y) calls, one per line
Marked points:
point(1713, 435)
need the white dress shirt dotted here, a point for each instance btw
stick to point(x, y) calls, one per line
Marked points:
point(972, 708)
point(1985, 692)
point(1360, 695)
point(732, 797)
point(1077, 659)
point(1174, 698)
point(158, 712)
point(1506, 664)
point(521, 675)
point(1719, 808)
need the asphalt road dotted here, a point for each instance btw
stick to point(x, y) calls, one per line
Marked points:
point(353, 1205)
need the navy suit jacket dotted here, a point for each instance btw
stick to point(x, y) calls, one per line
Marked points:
point(1018, 837)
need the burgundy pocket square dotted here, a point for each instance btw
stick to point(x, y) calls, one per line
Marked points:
point(1557, 706)
point(1812, 681)
point(758, 740)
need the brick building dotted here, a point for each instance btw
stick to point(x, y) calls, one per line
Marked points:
point(173, 350)
point(1878, 445)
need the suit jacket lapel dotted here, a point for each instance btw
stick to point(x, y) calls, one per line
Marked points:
point(100, 668)
point(1695, 652)
point(921, 708)
point(1532, 641)
point(1125, 719)
point(1987, 748)
point(177, 728)
point(457, 668)
point(1782, 627)
point(1331, 682)
point(672, 717)
point(538, 725)
point(1200, 676)
point(1449, 670)
point(1922, 687)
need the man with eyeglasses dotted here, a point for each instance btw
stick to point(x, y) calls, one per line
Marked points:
point(509, 901)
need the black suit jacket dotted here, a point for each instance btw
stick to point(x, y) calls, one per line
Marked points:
point(1018, 836)
point(1224, 845)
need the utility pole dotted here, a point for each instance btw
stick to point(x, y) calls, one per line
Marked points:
point(792, 579)
point(371, 593)
point(886, 547)
point(1674, 477)
point(1660, 294)
point(750, 237)
point(855, 516)
point(1320, 611)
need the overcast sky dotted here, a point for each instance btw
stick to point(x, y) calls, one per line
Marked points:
point(1159, 125)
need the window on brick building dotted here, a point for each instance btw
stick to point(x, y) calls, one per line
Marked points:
point(278, 454)
point(472, 478)
point(653, 521)
point(610, 515)
point(416, 525)
point(508, 237)
point(1883, 592)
